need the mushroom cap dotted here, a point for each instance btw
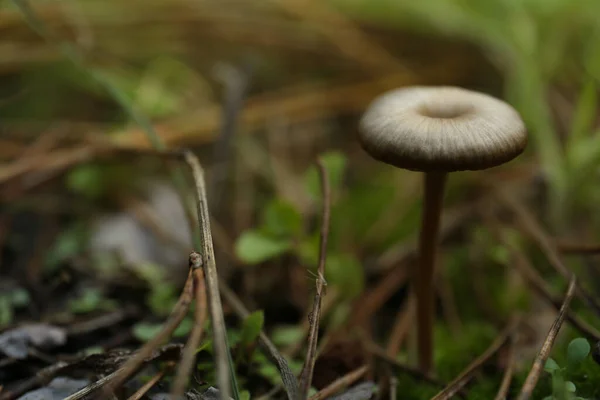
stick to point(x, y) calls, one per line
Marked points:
point(443, 128)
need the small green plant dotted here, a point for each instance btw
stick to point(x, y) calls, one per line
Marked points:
point(281, 231)
point(9, 301)
point(562, 388)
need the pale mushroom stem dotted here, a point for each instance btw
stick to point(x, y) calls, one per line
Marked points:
point(430, 223)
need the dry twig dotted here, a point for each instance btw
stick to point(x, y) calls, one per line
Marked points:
point(532, 276)
point(219, 331)
point(540, 360)
point(341, 383)
point(141, 392)
point(534, 230)
point(509, 370)
point(465, 376)
point(134, 363)
point(313, 336)
point(376, 297)
point(382, 354)
point(287, 376)
point(577, 248)
point(189, 352)
point(401, 327)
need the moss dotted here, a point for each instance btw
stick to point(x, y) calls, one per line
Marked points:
point(409, 389)
point(454, 353)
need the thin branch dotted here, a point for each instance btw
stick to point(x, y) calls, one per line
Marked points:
point(376, 297)
point(160, 354)
point(540, 360)
point(189, 352)
point(134, 363)
point(465, 376)
point(328, 303)
point(534, 230)
point(313, 336)
point(382, 354)
point(532, 276)
point(287, 376)
point(341, 383)
point(577, 248)
point(402, 324)
point(225, 377)
point(509, 370)
point(141, 392)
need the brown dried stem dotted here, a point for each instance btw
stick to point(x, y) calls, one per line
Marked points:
point(141, 392)
point(219, 330)
point(532, 276)
point(189, 351)
point(465, 376)
point(540, 360)
point(313, 336)
point(341, 383)
point(534, 230)
point(508, 371)
point(134, 363)
point(382, 354)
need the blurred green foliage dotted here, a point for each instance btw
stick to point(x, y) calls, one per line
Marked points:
point(281, 231)
point(537, 44)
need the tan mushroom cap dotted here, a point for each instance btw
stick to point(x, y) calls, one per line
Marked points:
point(441, 129)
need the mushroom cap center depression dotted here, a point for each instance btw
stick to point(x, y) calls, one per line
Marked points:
point(444, 110)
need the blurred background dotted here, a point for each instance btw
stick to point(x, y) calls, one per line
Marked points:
point(92, 226)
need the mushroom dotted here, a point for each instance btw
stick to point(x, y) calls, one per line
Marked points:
point(437, 130)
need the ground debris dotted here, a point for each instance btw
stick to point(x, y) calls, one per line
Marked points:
point(209, 394)
point(362, 391)
point(15, 343)
point(58, 389)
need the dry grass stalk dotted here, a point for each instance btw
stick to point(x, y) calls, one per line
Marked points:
point(544, 353)
point(313, 336)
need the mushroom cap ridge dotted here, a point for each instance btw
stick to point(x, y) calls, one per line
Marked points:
point(427, 128)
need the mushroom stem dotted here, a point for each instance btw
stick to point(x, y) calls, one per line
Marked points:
point(430, 222)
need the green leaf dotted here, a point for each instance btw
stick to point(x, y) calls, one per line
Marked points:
point(145, 331)
point(577, 351)
point(86, 180)
point(207, 345)
point(335, 164)
point(233, 337)
point(283, 336)
point(92, 299)
point(19, 297)
point(6, 311)
point(244, 395)
point(162, 298)
point(68, 244)
point(251, 328)
point(570, 386)
point(551, 366)
point(184, 328)
point(346, 273)
point(254, 247)
point(281, 218)
point(308, 249)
